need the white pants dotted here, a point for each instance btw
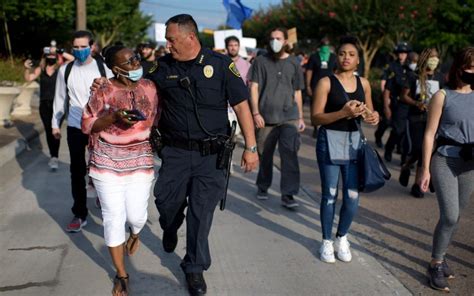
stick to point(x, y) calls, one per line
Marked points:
point(122, 203)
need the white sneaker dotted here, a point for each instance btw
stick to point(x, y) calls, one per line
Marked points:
point(343, 250)
point(327, 251)
point(53, 163)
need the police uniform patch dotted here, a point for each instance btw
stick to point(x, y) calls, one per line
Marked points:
point(208, 71)
point(153, 69)
point(234, 70)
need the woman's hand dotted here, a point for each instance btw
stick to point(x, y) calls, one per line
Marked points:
point(98, 83)
point(424, 181)
point(371, 117)
point(28, 64)
point(353, 108)
point(421, 106)
point(122, 116)
point(258, 120)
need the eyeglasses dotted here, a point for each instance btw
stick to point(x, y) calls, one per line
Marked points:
point(135, 58)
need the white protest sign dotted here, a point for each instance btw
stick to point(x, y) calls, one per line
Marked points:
point(160, 32)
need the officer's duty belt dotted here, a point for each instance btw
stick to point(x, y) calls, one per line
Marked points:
point(210, 145)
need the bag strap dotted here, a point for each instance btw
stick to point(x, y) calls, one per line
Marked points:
point(100, 65)
point(67, 72)
point(362, 135)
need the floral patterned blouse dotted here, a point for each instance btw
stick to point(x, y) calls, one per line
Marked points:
point(120, 150)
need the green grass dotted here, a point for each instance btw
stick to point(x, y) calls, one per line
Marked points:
point(11, 74)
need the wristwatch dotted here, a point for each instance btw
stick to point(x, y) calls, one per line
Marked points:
point(252, 149)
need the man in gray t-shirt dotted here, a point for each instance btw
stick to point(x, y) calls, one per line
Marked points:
point(277, 107)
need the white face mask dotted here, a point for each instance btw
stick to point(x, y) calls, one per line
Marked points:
point(412, 66)
point(276, 45)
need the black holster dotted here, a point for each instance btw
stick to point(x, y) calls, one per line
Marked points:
point(225, 153)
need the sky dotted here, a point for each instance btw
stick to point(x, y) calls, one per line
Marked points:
point(208, 13)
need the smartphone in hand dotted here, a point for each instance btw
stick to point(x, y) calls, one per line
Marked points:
point(135, 115)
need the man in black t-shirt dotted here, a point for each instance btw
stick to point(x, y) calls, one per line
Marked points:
point(147, 53)
point(320, 64)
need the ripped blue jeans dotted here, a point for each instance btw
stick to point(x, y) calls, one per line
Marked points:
point(330, 173)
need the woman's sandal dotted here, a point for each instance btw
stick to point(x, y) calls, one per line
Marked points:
point(132, 243)
point(120, 286)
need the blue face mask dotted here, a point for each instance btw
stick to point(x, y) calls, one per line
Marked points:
point(134, 75)
point(82, 54)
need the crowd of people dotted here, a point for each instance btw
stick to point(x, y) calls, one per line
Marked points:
point(190, 94)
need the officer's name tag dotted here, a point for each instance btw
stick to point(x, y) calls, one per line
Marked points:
point(208, 71)
point(172, 77)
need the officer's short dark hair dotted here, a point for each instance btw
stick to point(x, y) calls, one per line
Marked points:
point(84, 34)
point(231, 38)
point(184, 21)
point(348, 40)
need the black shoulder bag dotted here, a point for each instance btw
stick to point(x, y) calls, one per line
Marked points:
point(372, 171)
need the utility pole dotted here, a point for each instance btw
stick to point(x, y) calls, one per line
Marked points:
point(81, 15)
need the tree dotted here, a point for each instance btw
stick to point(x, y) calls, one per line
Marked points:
point(119, 20)
point(453, 29)
point(375, 23)
point(33, 24)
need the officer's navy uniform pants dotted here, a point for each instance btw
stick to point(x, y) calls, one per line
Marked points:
point(184, 174)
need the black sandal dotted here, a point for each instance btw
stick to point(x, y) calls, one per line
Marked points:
point(120, 286)
point(132, 243)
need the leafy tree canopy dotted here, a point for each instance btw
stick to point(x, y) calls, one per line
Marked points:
point(33, 24)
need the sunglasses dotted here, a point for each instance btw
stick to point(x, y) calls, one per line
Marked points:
point(135, 58)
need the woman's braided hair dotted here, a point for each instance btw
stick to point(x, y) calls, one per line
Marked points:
point(422, 68)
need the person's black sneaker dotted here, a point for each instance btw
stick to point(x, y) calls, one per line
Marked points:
point(448, 273)
point(404, 177)
point(170, 240)
point(262, 194)
point(437, 279)
point(288, 201)
point(196, 283)
point(416, 191)
point(388, 155)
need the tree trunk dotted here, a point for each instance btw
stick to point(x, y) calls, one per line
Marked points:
point(7, 38)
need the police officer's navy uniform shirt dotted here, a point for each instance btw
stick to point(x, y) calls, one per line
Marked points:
point(395, 70)
point(215, 82)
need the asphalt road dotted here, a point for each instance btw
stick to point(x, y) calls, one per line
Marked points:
point(397, 228)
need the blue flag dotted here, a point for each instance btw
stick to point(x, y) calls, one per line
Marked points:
point(237, 13)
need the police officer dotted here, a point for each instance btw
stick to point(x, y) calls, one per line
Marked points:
point(395, 113)
point(195, 84)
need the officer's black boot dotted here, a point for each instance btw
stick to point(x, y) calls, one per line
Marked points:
point(196, 284)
